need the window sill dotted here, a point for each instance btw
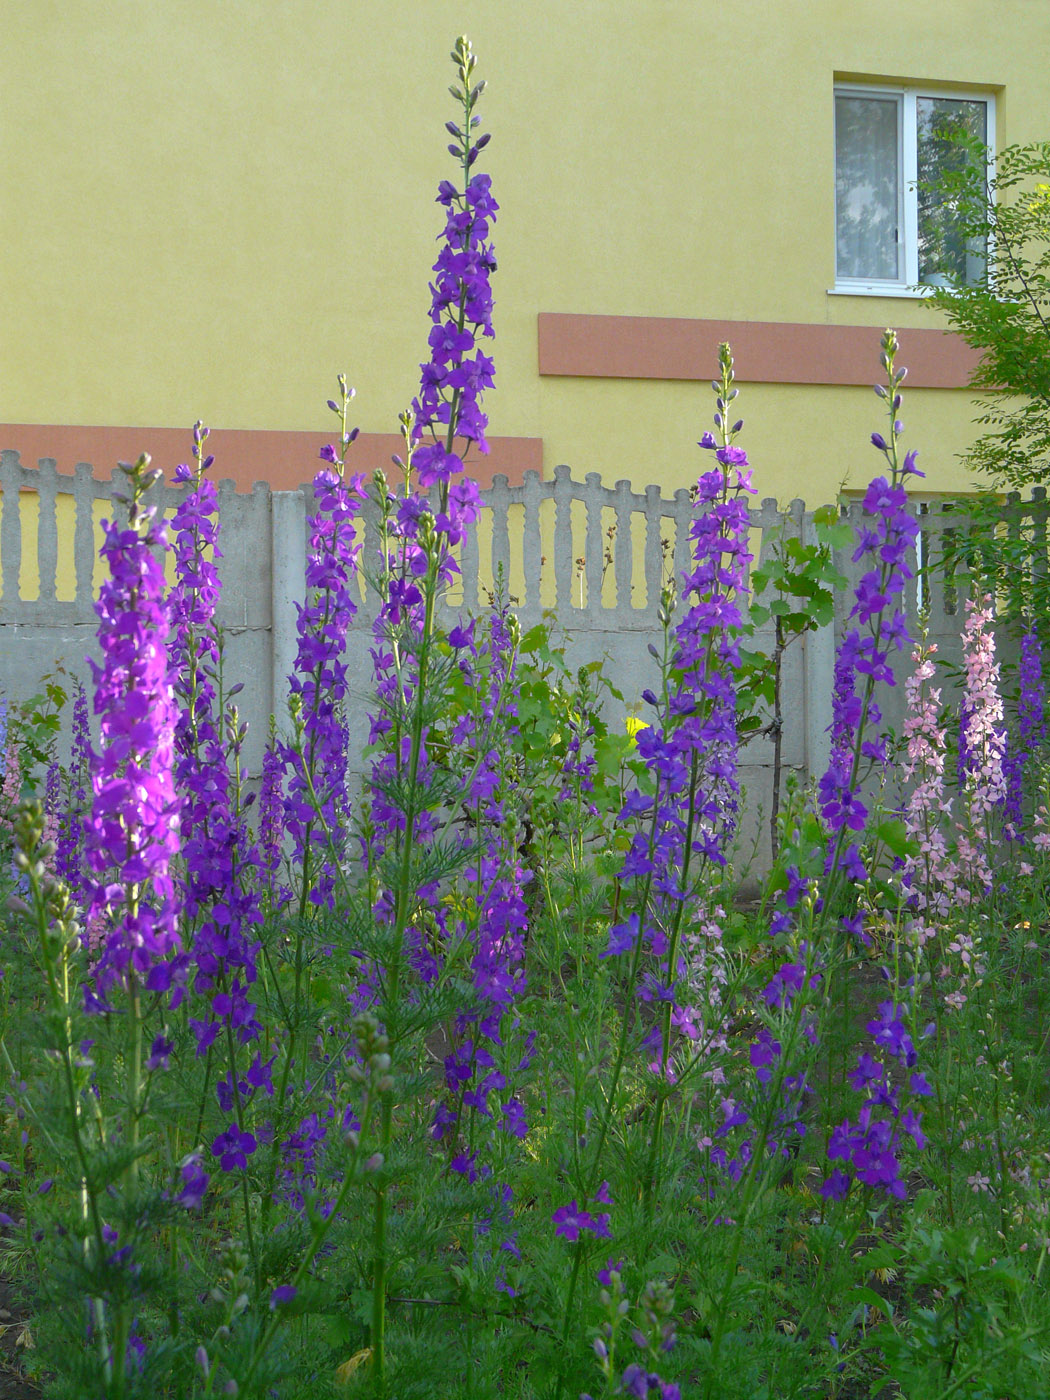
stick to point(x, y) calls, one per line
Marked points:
point(873, 289)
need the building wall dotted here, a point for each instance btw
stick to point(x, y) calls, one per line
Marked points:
point(210, 207)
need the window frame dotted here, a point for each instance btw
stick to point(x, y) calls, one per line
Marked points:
point(906, 98)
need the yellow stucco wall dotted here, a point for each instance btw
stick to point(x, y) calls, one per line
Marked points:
point(212, 206)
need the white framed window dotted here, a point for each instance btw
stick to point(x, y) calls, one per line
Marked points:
point(892, 238)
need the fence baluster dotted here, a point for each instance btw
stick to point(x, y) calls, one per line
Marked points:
point(532, 545)
point(11, 528)
point(499, 499)
point(594, 546)
point(563, 560)
point(84, 538)
point(683, 518)
point(47, 529)
point(654, 564)
point(623, 550)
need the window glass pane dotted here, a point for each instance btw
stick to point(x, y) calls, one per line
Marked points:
point(867, 186)
point(945, 254)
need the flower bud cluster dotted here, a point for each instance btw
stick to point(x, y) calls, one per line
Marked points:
point(653, 1334)
point(458, 371)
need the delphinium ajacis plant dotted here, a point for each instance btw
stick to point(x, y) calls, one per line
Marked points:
point(681, 817)
point(132, 831)
point(816, 924)
point(435, 799)
point(219, 894)
point(94, 1129)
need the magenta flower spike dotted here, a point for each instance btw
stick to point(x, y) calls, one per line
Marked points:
point(132, 831)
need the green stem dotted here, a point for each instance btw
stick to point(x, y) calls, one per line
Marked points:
point(379, 1265)
point(135, 1087)
point(321, 1230)
point(649, 1185)
point(752, 1178)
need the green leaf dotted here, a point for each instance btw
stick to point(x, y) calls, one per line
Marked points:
point(893, 834)
point(862, 1296)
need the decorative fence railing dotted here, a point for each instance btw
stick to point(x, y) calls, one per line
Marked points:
point(591, 557)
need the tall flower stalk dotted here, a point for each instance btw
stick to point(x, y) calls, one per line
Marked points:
point(685, 814)
point(879, 628)
point(981, 763)
point(221, 901)
point(316, 805)
point(132, 831)
point(69, 857)
point(930, 874)
point(1031, 729)
point(420, 528)
point(313, 783)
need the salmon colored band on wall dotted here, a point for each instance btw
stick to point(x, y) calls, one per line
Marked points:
point(285, 460)
point(765, 352)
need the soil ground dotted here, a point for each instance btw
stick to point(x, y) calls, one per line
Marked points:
point(14, 1339)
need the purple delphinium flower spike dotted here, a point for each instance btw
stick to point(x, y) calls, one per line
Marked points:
point(69, 857)
point(202, 771)
point(690, 748)
point(869, 1147)
point(132, 831)
point(885, 546)
point(221, 903)
point(458, 371)
point(316, 805)
point(1031, 730)
point(271, 819)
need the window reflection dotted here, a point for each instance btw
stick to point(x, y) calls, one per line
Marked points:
point(946, 255)
point(867, 187)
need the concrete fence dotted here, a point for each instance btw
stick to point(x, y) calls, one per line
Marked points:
point(590, 557)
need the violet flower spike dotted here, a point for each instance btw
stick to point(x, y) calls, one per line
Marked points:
point(132, 831)
point(316, 804)
point(887, 547)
